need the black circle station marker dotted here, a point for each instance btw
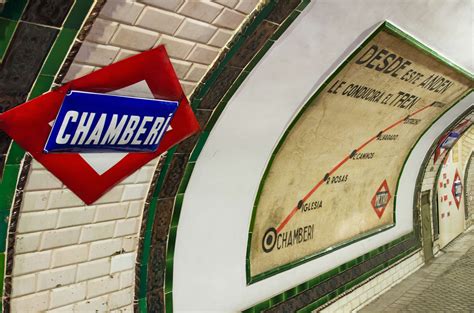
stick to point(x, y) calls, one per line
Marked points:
point(353, 153)
point(300, 204)
point(380, 134)
point(269, 239)
point(326, 177)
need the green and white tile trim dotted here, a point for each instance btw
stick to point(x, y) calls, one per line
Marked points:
point(9, 19)
point(200, 92)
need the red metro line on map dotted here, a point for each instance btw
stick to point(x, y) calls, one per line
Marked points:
point(83, 119)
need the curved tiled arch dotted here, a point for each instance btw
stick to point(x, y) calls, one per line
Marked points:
point(169, 184)
point(45, 63)
point(167, 203)
point(154, 276)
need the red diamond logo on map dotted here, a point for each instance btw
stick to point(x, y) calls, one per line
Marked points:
point(457, 189)
point(381, 198)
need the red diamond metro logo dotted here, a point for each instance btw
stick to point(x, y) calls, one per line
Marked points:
point(456, 190)
point(380, 199)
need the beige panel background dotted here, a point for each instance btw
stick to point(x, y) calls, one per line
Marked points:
point(331, 126)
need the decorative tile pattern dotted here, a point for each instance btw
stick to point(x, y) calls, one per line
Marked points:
point(209, 99)
point(223, 82)
point(47, 12)
point(307, 297)
point(24, 51)
point(24, 59)
point(254, 42)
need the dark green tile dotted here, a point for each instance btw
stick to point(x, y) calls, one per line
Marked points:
point(13, 9)
point(283, 27)
point(2, 266)
point(177, 209)
point(199, 145)
point(7, 186)
point(169, 302)
point(303, 5)
point(4, 215)
point(302, 287)
point(277, 299)
point(142, 305)
point(7, 29)
point(169, 276)
point(78, 14)
point(15, 155)
point(262, 306)
point(171, 244)
point(58, 52)
point(289, 293)
point(42, 85)
point(186, 177)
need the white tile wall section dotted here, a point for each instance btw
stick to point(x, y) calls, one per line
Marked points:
point(73, 257)
point(70, 256)
point(193, 31)
point(362, 295)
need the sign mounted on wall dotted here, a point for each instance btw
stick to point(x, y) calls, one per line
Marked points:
point(456, 189)
point(80, 121)
point(91, 122)
point(447, 141)
point(340, 159)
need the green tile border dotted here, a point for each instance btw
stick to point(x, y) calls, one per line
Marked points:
point(58, 52)
point(282, 297)
point(42, 85)
point(143, 264)
point(466, 179)
point(9, 19)
point(78, 14)
point(390, 28)
point(8, 27)
point(359, 280)
point(13, 9)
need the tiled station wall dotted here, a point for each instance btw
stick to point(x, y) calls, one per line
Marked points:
point(362, 295)
point(74, 256)
point(469, 191)
point(69, 256)
point(194, 32)
point(431, 170)
point(468, 166)
point(374, 287)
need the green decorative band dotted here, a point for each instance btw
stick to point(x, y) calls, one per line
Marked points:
point(321, 289)
point(8, 22)
point(16, 167)
point(209, 100)
point(466, 180)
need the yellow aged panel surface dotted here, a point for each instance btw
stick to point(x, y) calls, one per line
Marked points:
point(333, 177)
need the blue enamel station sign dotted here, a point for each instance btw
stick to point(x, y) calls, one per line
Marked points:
point(92, 122)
